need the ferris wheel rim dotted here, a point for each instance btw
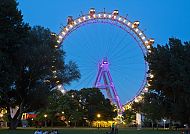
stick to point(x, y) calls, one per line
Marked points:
point(144, 43)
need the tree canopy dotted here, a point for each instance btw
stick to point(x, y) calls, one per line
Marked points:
point(80, 107)
point(28, 62)
point(169, 87)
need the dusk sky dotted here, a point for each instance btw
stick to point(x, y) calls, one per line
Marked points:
point(159, 19)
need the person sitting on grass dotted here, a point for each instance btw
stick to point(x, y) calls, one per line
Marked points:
point(38, 132)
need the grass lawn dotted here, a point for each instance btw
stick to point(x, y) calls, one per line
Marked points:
point(89, 131)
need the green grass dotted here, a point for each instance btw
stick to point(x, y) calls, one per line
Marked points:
point(89, 131)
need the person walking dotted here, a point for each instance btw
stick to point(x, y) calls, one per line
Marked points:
point(116, 129)
point(112, 128)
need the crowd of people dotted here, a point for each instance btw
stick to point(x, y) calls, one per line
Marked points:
point(46, 132)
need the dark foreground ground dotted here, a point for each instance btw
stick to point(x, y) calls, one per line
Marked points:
point(89, 131)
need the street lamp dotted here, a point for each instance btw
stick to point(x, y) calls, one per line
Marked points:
point(98, 115)
point(1, 115)
point(45, 115)
point(164, 120)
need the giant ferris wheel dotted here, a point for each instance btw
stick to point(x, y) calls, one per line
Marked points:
point(109, 50)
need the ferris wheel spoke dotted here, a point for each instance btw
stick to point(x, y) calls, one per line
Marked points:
point(130, 59)
point(83, 80)
point(126, 49)
point(90, 56)
point(128, 79)
point(124, 67)
point(110, 40)
point(114, 49)
point(118, 72)
point(126, 60)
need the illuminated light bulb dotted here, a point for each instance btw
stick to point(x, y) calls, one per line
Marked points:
point(47, 81)
point(89, 17)
point(119, 18)
point(57, 81)
point(99, 15)
point(124, 20)
point(84, 18)
point(79, 20)
point(151, 40)
point(59, 86)
point(146, 42)
point(149, 51)
point(143, 37)
point(109, 16)
point(151, 76)
point(58, 41)
point(136, 99)
point(75, 22)
point(145, 89)
point(140, 33)
point(71, 26)
point(53, 34)
point(63, 92)
point(128, 23)
point(54, 71)
point(66, 29)
point(56, 46)
point(94, 15)
point(104, 15)
point(60, 37)
point(139, 98)
point(148, 84)
point(136, 30)
point(148, 47)
point(55, 76)
point(63, 32)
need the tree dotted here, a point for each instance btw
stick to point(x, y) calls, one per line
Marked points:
point(170, 66)
point(129, 116)
point(149, 107)
point(13, 32)
point(94, 102)
point(80, 106)
point(30, 65)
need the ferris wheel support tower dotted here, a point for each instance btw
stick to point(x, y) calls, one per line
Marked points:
point(108, 84)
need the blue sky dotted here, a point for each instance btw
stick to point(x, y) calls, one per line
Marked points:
point(159, 19)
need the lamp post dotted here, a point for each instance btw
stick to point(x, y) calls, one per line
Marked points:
point(1, 116)
point(164, 120)
point(45, 115)
point(98, 115)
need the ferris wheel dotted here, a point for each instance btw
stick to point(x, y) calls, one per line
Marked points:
point(109, 50)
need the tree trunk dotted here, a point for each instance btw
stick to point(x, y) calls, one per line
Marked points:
point(13, 124)
point(51, 122)
point(152, 125)
point(14, 120)
point(75, 123)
